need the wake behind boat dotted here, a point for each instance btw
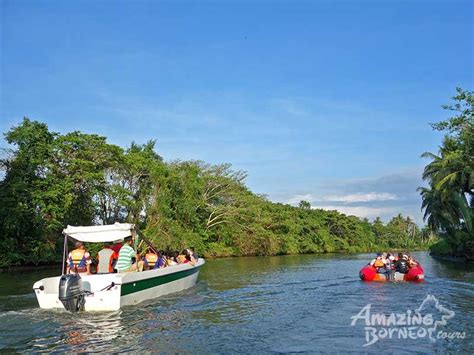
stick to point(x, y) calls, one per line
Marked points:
point(110, 291)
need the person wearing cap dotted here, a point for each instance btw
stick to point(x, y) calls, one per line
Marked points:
point(401, 265)
point(79, 260)
point(128, 260)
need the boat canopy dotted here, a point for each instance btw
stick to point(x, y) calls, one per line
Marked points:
point(100, 234)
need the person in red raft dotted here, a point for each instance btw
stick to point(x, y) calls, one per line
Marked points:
point(386, 267)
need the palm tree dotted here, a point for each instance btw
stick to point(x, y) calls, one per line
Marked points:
point(440, 214)
point(448, 201)
point(445, 202)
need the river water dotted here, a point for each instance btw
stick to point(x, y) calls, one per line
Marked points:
point(258, 304)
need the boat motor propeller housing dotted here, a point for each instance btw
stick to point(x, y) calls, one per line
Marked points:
point(71, 294)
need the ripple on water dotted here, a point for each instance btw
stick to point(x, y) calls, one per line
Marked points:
point(281, 304)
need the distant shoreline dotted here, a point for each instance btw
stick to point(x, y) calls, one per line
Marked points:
point(29, 267)
point(58, 265)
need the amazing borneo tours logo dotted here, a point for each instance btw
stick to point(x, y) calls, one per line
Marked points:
point(416, 324)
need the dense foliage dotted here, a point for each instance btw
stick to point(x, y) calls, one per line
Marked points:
point(52, 180)
point(448, 201)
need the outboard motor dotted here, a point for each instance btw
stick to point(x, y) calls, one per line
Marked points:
point(71, 293)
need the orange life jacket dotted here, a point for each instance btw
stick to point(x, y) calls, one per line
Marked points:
point(379, 263)
point(151, 259)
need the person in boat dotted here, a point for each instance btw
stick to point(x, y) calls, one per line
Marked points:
point(382, 266)
point(186, 258)
point(181, 257)
point(107, 259)
point(79, 260)
point(153, 260)
point(193, 255)
point(128, 260)
point(163, 255)
point(401, 265)
point(172, 260)
point(117, 245)
point(379, 263)
point(412, 262)
point(390, 266)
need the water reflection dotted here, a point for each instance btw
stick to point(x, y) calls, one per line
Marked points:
point(275, 304)
point(20, 282)
point(61, 331)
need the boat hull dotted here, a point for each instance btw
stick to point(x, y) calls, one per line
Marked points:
point(110, 292)
point(135, 288)
point(368, 273)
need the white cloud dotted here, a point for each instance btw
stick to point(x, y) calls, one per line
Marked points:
point(361, 211)
point(361, 197)
point(346, 199)
point(380, 196)
point(297, 198)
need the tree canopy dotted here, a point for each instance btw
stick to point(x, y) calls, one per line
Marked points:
point(51, 180)
point(448, 201)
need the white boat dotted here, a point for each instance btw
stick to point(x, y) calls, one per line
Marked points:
point(110, 292)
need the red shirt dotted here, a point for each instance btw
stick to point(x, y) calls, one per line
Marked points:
point(116, 247)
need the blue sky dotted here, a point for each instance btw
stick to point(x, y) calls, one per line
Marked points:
point(327, 101)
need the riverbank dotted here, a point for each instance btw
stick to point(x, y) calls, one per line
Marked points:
point(186, 203)
point(442, 250)
point(456, 259)
point(230, 254)
point(21, 268)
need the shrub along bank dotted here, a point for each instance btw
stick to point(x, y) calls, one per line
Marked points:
point(51, 180)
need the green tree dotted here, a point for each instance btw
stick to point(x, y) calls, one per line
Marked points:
point(124, 193)
point(448, 200)
point(51, 180)
point(304, 205)
point(31, 204)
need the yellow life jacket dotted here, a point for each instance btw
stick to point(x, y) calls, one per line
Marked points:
point(151, 259)
point(77, 260)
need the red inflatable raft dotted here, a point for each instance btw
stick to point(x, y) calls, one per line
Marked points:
point(369, 273)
